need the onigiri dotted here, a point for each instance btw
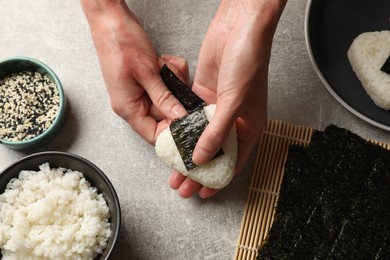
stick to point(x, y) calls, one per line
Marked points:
point(217, 173)
point(367, 54)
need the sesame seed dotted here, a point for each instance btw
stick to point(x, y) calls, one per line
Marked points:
point(29, 103)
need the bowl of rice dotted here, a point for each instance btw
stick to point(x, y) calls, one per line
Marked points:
point(32, 103)
point(57, 205)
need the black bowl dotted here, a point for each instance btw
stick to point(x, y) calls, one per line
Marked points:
point(92, 173)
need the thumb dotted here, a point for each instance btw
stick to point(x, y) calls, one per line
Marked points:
point(214, 134)
point(160, 95)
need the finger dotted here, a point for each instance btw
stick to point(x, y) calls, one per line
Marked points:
point(213, 136)
point(161, 97)
point(206, 192)
point(176, 179)
point(206, 74)
point(180, 67)
point(156, 113)
point(248, 136)
point(188, 188)
point(146, 127)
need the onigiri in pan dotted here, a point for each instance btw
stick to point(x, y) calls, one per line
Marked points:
point(369, 57)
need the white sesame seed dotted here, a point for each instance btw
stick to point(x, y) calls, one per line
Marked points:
point(29, 104)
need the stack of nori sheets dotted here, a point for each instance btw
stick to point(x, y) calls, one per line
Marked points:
point(334, 201)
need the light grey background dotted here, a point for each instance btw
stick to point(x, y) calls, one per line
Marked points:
point(157, 223)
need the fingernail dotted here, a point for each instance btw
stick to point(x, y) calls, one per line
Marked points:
point(203, 153)
point(178, 110)
point(201, 156)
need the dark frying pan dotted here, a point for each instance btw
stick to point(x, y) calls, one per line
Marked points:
point(330, 28)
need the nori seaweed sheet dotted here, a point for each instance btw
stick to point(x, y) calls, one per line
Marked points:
point(370, 211)
point(300, 179)
point(335, 196)
point(386, 66)
point(186, 130)
point(181, 91)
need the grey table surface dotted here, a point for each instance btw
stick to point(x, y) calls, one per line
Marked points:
point(157, 223)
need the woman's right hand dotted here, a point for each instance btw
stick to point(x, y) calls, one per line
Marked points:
point(131, 68)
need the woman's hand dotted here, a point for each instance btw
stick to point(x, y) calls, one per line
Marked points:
point(131, 68)
point(232, 72)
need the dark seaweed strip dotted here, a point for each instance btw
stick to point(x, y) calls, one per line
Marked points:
point(386, 66)
point(181, 91)
point(366, 230)
point(186, 132)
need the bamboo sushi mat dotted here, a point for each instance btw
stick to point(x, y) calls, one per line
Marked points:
point(265, 183)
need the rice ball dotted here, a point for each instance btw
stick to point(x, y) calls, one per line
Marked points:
point(367, 54)
point(217, 173)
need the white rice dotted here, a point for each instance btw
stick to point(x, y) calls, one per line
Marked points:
point(367, 54)
point(52, 214)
